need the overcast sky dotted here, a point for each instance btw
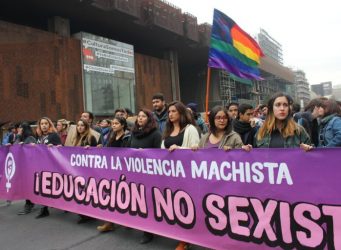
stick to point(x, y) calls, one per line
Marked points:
point(309, 31)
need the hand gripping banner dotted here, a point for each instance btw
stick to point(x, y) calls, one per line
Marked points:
point(267, 198)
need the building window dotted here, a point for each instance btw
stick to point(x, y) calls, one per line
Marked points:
point(109, 74)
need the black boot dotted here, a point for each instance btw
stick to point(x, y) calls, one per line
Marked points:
point(83, 219)
point(27, 208)
point(44, 212)
point(146, 238)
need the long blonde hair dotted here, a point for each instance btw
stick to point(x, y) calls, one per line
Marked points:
point(289, 128)
point(79, 138)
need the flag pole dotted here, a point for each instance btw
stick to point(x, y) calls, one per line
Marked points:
point(208, 80)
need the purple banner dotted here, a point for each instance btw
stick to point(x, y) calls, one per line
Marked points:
point(278, 198)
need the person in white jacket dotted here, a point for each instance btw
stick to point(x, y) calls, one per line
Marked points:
point(180, 133)
point(180, 130)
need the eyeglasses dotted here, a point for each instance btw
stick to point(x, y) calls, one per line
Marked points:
point(220, 117)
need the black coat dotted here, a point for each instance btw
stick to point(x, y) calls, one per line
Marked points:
point(51, 138)
point(150, 140)
point(306, 120)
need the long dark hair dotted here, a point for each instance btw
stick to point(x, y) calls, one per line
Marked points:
point(149, 127)
point(316, 102)
point(211, 117)
point(331, 107)
point(26, 131)
point(185, 118)
point(112, 135)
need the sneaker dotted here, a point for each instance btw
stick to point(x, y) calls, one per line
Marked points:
point(44, 212)
point(106, 227)
point(182, 246)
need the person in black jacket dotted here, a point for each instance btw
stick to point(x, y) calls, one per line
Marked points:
point(242, 124)
point(47, 134)
point(145, 134)
point(308, 119)
point(25, 136)
point(119, 137)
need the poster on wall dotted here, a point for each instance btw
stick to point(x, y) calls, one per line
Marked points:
point(108, 74)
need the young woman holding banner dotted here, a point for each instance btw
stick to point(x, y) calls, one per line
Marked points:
point(25, 136)
point(221, 134)
point(119, 137)
point(47, 134)
point(180, 133)
point(145, 134)
point(279, 129)
point(83, 136)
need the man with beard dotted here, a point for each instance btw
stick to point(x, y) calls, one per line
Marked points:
point(160, 111)
point(242, 124)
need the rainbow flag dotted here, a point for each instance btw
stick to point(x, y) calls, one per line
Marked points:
point(233, 49)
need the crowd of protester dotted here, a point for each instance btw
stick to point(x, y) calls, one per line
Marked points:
point(175, 126)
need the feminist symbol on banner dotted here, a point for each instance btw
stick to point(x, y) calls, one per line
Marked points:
point(9, 170)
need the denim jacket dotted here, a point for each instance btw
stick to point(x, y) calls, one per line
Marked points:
point(330, 131)
point(300, 136)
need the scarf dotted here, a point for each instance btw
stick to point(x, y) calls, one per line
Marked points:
point(241, 127)
point(326, 119)
point(140, 133)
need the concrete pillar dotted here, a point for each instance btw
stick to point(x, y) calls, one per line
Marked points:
point(59, 25)
point(172, 56)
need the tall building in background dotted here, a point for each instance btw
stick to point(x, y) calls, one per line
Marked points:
point(270, 46)
point(323, 89)
point(337, 92)
point(327, 88)
point(302, 87)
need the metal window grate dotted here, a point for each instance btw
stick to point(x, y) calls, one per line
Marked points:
point(227, 87)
